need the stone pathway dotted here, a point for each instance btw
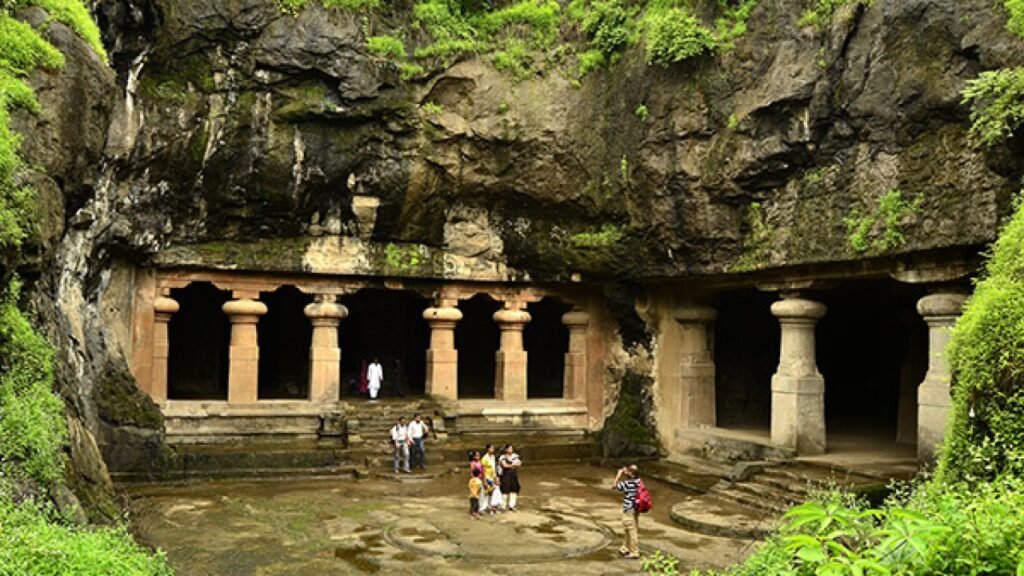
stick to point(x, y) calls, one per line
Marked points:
point(569, 522)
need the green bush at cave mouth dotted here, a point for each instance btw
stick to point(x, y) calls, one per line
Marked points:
point(986, 434)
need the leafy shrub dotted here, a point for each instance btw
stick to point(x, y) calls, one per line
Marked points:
point(997, 99)
point(386, 46)
point(75, 15)
point(674, 35)
point(610, 25)
point(591, 60)
point(32, 427)
point(986, 354)
point(881, 229)
point(1015, 23)
point(938, 529)
point(32, 543)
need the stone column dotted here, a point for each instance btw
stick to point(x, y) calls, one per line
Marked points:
point(442, 357)
point(324, 354)
point(940, 311)
point(163, 308)
point(574, 383)
point(244, 357)
point(798, 389)
point(696, 365)
point(510, 372)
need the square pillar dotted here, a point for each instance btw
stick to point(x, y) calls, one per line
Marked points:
point(940, 312)
point(244, 352)
point(442, 357)
point(163, 308)
point(574, 380)
point(696, 366)
point(798, 389)
point(510, 359)
point(324, 354)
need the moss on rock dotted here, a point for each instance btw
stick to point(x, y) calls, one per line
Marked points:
point(120, 401)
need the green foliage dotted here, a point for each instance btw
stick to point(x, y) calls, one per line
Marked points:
point(610, 25)
point(31, 542)
point(674, 34)
point(293, 7)
point(660, 564)
point(937, 529)
point(821, 11)
point(75, 15)
point(880, 230)
point(642, 112)
point(758, 241)
point(591, 60)
point(607, 236)
point(386, 46)
point(514, 59)
point(431, 108)
point(986, 354)
point(997, 100)
point(32, 427)
point(402, 259)
point(1015, 22)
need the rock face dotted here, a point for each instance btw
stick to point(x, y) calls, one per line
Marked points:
point(249, 123)
point(229, 121)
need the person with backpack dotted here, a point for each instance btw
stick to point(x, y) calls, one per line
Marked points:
point(635, 499)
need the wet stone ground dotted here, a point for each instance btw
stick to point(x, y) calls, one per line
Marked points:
point(569, 522)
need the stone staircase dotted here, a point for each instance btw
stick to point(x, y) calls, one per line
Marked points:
point(749, 498)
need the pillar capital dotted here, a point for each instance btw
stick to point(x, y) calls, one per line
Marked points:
point(325, 312)
point(576, 319)
point(244, 310)
point(442, 314)
point(798, 310)
point(166, 306)
point(510, 319)
point(943, 306)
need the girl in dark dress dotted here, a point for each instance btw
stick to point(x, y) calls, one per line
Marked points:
point(509, 464)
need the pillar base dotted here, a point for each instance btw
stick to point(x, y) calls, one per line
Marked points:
point(697, 379)
point(510, 383)
point(798, 413)
point(324, 378)
point(442, 374)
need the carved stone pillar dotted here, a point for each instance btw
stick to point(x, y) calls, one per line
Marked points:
point(442, 357)
point(696, 365)
point(940, 312)
point(163, 308)
point(244, 356)
point(324, 354)
point(574, 383)
point(798, 389)
point(510, 372)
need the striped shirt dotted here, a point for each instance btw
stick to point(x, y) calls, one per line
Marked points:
point(628, 489)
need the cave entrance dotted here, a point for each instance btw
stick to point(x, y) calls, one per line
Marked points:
point(284, 334)
point(477, 338)
point(872, 350)
point(746, 352)
point(387, 325)
point(198, 337)
point(546, 341)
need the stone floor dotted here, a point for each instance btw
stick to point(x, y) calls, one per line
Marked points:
point(568, 522)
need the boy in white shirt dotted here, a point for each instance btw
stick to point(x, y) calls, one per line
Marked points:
point(400, 438)
point(418, 431)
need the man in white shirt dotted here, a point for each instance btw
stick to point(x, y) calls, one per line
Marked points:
point(400, 438)
point(374, 376)
point(418, 431)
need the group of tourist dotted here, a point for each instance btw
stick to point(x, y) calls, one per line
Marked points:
point(493, 481)
point(408, 440)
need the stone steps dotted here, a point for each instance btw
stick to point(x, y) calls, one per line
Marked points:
point(708, 514)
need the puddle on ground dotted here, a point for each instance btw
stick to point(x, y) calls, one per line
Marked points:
point(356, 559)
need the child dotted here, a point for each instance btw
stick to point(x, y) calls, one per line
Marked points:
point(475, 488)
